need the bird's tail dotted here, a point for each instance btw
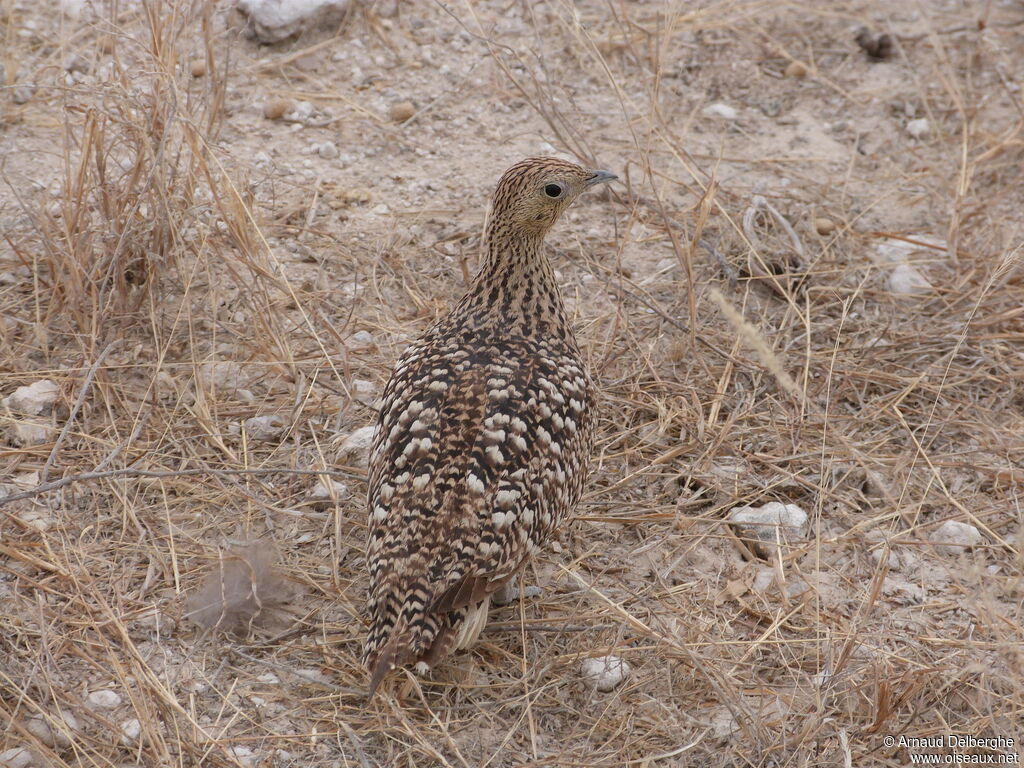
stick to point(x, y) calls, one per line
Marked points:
point(425, 640)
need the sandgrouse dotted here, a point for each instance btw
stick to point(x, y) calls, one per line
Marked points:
point(483, 439)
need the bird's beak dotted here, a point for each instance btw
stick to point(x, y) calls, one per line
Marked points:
point(600, 176)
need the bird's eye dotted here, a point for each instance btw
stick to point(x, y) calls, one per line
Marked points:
point(553, 190)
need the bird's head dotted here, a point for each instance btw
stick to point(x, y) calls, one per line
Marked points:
point(533, 193)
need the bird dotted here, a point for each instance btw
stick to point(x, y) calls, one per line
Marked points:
point(484, 434)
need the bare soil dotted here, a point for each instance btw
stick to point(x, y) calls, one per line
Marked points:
point(804, 294)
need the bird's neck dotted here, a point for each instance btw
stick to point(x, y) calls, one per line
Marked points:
point(514, 291)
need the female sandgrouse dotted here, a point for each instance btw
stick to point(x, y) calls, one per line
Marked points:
point(483, 439)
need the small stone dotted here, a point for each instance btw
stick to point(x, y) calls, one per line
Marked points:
point(877, 47)
point(313, 675)
point(357, 445)
point(19, 757)
point(22, 94)
point(953, 537)
point(243, 755)
point(361, 340)
point(103, 699)
point(275, 109)
point(723, 111)
point(106, 44)
point(511, 593)
point(76, 63)
point(605, 673)
point(723, 724)
point(130, 731)
point(908, 280)
point(226, 376)
point(903, 592)
point(765, 527)
point(329, 489)
point(26, 434)
point(198, 68)
point(265, 427)
point(919, 128)
point(364, 391)
point(38, 521)
point(300, 112)
point(27, 480)
point(796, 69)
point(271, 21)
point(328, 150)
point(154, 620)
point(893, 561)
point(764, 579)
point(402, 111)
point(54, 735)
point(824, 226)
point(34, 399)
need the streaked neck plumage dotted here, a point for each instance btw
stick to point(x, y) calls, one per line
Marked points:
point(515, 291)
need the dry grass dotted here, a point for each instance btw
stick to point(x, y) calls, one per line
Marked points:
point(174, 287)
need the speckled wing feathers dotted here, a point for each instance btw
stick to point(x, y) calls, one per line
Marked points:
point(479, 455)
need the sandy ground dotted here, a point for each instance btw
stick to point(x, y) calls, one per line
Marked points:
point(805, 289)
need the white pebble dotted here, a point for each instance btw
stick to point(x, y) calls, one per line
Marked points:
point(244, 755)
point(764, 579)
point(130, 731)
point(19, 757)
point(364, 391)
point(361, 340)
point(264, 427)
point(893, 561)
point(103, 699)
point(357, 445)
point(605, 673)
point(906, 279)
point(271, 21)
point(29, 433)
point(953, 537)
point(763, 527)
point(54, 736)
point(33, 399)
point(723, 111)
point(37, 520)
point(919, 128)
point(76, 63)
point(328, 489)
point(893, 251)
point(313, 675)
point(300, 113)
point(328, 150)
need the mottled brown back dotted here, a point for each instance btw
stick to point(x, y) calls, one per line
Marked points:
point(484, 434)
